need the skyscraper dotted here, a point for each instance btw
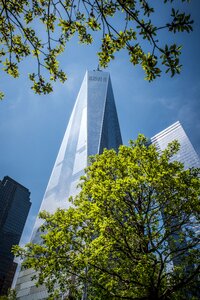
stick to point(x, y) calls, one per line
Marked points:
point(14, 207)
point(186, 154)
point(92, 127)
point(190, 158)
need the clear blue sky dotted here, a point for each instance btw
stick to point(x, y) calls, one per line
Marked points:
point(32, 126)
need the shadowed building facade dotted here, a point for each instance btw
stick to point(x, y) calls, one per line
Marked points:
point(93, 126)
point(14, 207)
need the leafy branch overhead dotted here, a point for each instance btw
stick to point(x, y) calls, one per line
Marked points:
point(131, 232)
point(41, 29)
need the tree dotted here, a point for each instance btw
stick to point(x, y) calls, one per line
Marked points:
point(61, 19)
point(135, 217)
point(11, 295)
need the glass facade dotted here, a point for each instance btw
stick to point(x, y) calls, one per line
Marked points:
point(186, 154)
point(93, 126)
point(14, 207)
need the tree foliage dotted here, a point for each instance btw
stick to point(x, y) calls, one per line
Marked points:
point(11, 295)
point(131, 232)
point(41, 28)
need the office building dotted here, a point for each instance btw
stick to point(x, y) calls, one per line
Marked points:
point(189, 157)
point(14, 207)
point(93, 126)
point(186, 154)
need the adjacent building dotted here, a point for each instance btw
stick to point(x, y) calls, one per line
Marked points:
point(189, 157)
point(14, 207)
point(93, 126)
point(186, 154)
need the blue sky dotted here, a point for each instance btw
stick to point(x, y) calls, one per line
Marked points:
point(32, 126)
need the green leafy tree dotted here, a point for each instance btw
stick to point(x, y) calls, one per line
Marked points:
point(22, 21)
point(11, 295)
point(131, 232)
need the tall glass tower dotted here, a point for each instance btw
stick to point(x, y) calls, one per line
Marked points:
point(92, 127)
